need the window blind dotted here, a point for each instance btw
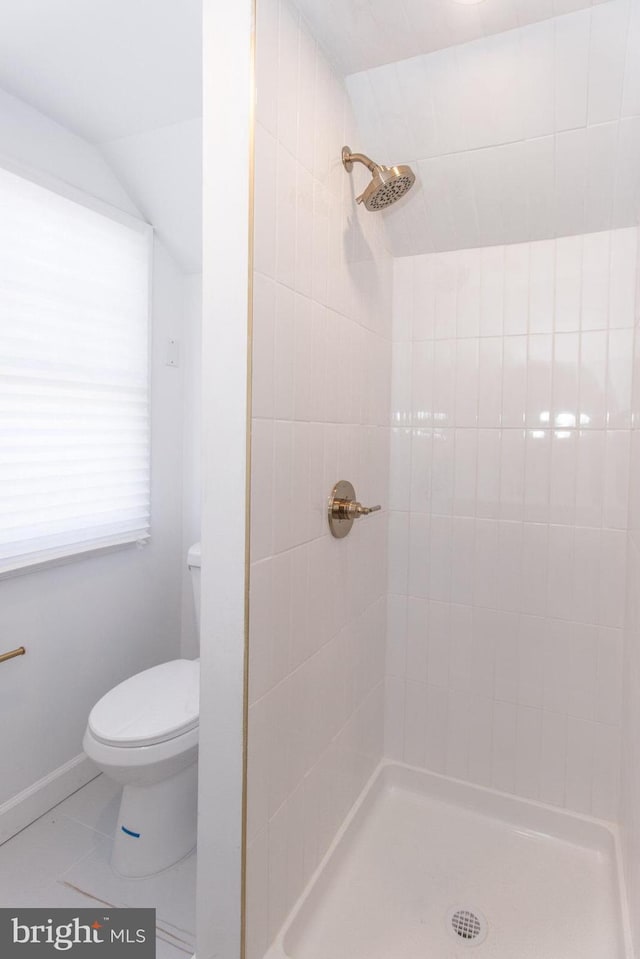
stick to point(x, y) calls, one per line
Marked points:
point(74, 397)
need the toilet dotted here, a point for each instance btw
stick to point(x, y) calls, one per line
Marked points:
point(143, 734)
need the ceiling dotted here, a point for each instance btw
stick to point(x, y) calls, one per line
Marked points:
point(162, 170)
point(104, 68)
point(361, 34)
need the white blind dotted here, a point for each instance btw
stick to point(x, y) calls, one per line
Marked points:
point(74, 398)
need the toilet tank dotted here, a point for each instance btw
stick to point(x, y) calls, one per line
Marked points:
point(193, 561)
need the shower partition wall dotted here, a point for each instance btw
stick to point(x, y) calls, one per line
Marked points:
point(465, 358)
point(321, 399)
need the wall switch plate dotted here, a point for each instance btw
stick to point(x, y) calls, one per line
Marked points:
point(173, 352)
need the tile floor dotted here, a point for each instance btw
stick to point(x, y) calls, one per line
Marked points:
point(63, 858)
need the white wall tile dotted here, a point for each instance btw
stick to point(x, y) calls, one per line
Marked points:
point(631, 93)
point(553, 758)
point(537, 475)
point(616, 479)
point(265, 201)
point(531, 645)
point(421, 384)
point(580, 746)
point(480, 719)
point(528, 751)
point(517, 515)
point(568, 274)
point(622, 291)
point(443, 471)
point(619, 379)
point(468, 298)
point(514, 381)
point(595, 281)
point(394, 717)
point(601, 158)
point(415, 724)
point(605, 788)
point(590, 478)
point(444, 383)
point(609, 25)
point(424, 297)
point(488, 475)
point(608, 706)
point(563, 476)
point(539, 380)
point(516, 288)
point(466, 382)
point(571, 70)
point(534, 569)
point(504, 746)
point(436, 724)
point(492, 291)
point(537, 79)
point(267, 66)
point(512, 474)
point(400, 469)
point(490, 382)
point(417, 653)
point(541, 286)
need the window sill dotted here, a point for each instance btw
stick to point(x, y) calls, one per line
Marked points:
point(64, 556)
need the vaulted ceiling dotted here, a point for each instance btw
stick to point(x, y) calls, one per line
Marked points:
point(125, 75)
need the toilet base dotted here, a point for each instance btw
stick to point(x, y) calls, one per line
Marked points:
point(156, 825)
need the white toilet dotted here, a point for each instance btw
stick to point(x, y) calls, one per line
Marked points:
point(144, 734)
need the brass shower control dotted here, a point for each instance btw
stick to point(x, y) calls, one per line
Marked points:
point(344, 508)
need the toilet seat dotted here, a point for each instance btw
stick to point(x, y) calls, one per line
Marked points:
point(154, 706)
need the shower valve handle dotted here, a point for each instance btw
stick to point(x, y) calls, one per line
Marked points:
point(365, 510)
point(350, 509)
point(344, 508)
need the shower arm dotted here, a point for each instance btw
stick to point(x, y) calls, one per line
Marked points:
point(348, 159)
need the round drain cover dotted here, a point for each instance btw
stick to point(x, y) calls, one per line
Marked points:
point(467, 925)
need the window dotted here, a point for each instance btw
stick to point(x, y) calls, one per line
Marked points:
point(74, 397)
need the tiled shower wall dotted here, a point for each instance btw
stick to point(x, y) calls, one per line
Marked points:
point(523, 135)
point(509, 487)
point(321, 401)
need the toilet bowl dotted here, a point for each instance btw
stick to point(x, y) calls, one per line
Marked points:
point(144, 734)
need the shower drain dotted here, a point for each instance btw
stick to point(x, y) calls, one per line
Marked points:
point(469, 925)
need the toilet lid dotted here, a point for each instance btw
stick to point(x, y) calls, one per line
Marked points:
point(151, 707)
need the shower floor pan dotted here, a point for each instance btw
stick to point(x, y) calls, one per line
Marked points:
point(431, 868)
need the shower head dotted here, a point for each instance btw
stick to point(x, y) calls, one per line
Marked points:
point(388, 183)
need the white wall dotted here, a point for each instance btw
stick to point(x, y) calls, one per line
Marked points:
point(162, 169)
point(33, 139)
point(89, 624)
point(321, 376)
point(510, 467)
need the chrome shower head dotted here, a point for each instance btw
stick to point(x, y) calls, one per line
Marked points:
point(388, 183)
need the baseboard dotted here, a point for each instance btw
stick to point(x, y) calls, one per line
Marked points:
point(43, 795)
